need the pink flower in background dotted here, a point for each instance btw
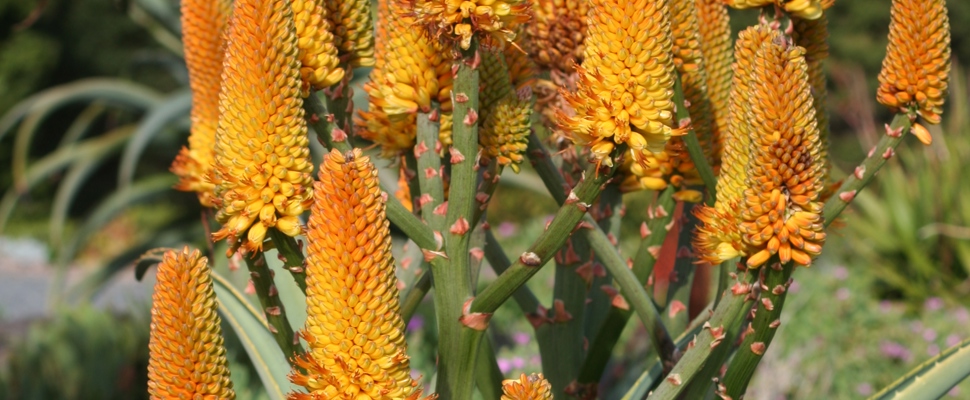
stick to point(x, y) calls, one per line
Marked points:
point(932, 349)
point(952, 340)
point(504, 365)
point(841, 273)
point(895, 351)
point(933, 304)
point(521, 338)
point(506, 229)
point(864, 389)
point(929, 334)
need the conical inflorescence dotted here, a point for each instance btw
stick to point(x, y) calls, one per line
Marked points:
point(527, 387)
point(262, 149)
point(203, 29)
point(493, 22)
point(354, 330)
point(187, 359)
point(317, 51)
point(916, 68)
point(626, 81)
point(353, 30)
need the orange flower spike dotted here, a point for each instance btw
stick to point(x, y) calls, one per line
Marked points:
point(203, 23)
point(320, 66)
point(353, 30)
point(916, 69)
point(186, 357)
point(813, 36)
point(718, 237)
point(805, 9)
point(689, 62)
point(493, 21)
point(782, 213)
point(262, 150)
point(354, 331)
point(716, 48)
point(625, 87)
point(527, 387)
point(557, 33)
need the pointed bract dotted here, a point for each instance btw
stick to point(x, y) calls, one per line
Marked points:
point(187, 359)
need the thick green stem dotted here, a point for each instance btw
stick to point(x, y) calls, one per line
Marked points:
point(496, 257)
point(550, 241)
point(735, 302)
point(876, 158)
point(269, 299)
point(694, 146)
point(415, 294)
point(488, 376)
point(429, 170)
point(291, 254)
point(457, 350)
point(774, 285)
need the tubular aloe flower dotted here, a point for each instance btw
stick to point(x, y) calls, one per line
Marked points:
point(806, 9)
point(782, 213)
point(353, 30)
point(626, 80)
point(353, 328)
point(917, 65)
point(262, 149)
point(557, 33)
point(410, 73)
point(671, 167)
point(187, 359)
point(505, 134)
point(492, 21)
point(718, 237)
point(715, 33)
point(316, 44)
point(203, 23)
point(527, 387)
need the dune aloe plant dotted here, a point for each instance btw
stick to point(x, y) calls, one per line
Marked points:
point(600, 98)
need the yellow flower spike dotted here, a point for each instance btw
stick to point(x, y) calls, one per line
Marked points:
point(782, 213)
point(493, 21)
point(187, 359)
point(262, 149)
point(916, 69)
point(557, 33)
point(353, 30)
point(625, 86)
point(505, 134)
point(410, 73)
point(203, 25)
point(813, 36)
point(527, 387)
point(495, 81)
point(320, 66)
point(689, 62)
point(716, 42)
point(718, 236)
point(355, 334)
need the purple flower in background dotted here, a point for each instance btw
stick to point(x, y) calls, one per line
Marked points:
point(416, 323)
point(933, 304)
point(518, 362)
point(932, 349)
point(864, 389)
point(535, 361)
point(504, 365)
point(929, 334)
point(842, 294)
point(507, 229)
point(955, 392)
point(885, 306)
point(962, 315)
point(841, 273)
point(521, 338)
point(952, 340)
point(895, 351)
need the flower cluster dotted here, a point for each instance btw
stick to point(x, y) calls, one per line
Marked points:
point(807, 9)
point(527, 387)
point(492, 21)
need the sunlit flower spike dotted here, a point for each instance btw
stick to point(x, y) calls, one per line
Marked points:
point(527, 387)
point(317, 48)
point(353, 30)
point(203, 26)
point(262, 149)
point(187, 359)
point(494, 22)
point(916, 68)
point(354, 330)
point(807, 9)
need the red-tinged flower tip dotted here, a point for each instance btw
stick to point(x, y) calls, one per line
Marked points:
point(782, 211)
point(353, 30)
point(718, 236)
point(625, 86)
point(187, 359)
point(318, 54)
point(527, 387)
point(916, 69)
point(557, 33)
point(354, 330)
point(203, 25)
point(716, 49)
point(493, 22)
point(262, 151)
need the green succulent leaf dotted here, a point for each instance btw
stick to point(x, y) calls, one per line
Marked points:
point(254, 334)
point(933, 378)
point(174, 107)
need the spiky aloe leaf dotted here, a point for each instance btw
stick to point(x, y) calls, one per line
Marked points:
point(933, 378)
point(175, 106)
